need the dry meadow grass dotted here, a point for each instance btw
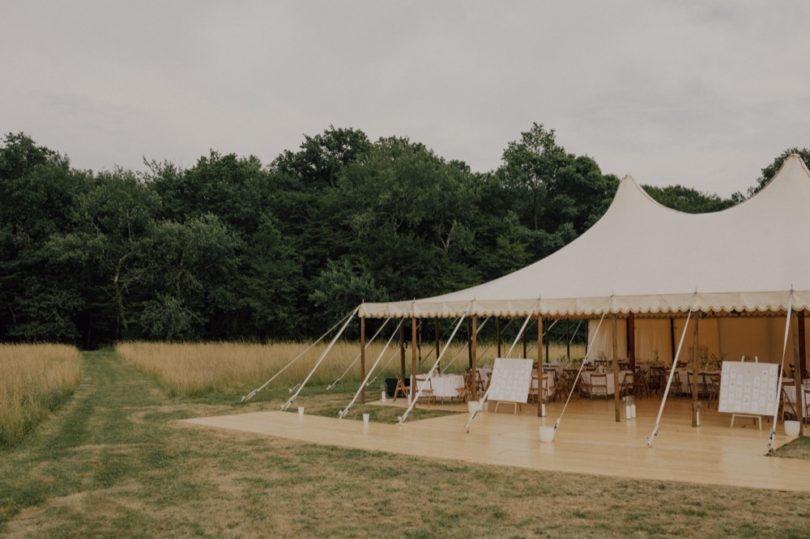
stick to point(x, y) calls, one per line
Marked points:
point(34, 378)
point(114, 462)
point(196, 369)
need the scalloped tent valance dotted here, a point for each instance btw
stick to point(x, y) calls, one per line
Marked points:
point(645, 258)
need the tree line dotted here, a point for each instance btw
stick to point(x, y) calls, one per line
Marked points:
point(231, 248)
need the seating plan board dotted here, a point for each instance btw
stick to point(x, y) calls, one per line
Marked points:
point(748, 388)
point(511, 379)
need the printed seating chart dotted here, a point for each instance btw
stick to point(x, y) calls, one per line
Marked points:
point(511, 379)
point(748, 388)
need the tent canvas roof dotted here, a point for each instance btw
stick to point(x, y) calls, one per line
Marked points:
point(645, 258)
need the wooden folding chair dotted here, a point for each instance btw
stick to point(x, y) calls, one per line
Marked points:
point(423, 383)
point(401, 388)
point(598, 385)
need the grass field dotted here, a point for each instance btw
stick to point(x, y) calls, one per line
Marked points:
point(34, 379)
point(113, 462)
point(199, 369)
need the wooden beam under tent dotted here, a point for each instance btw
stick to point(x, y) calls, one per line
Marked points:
point(802, 345)
point(672, 337)
point(498, 335)
point(567, 339)
point(402, 352)
point(414, 352)
point(616, 382)
point(631, 341)
point(540, 395)
point(797, 373)
point(363, 359)
point(469, 341)
point(438, 344)
point(548, 340)
point(525, 352)
point(695, 370)
point(474, 355)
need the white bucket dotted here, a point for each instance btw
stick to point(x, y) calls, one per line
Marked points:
point(366, 419)
point(546, 434)
point(791, 428)
point(473, 406)
point(300, 411)
point(383, 396)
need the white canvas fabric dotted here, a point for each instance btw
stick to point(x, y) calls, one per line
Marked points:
point(645, 258)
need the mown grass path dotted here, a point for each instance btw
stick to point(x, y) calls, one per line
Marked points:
point(112, 462)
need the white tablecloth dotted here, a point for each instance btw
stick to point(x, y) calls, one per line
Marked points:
point(445, 385)
point(611, 386)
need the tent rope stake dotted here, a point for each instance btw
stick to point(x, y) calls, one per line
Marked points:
point(253, 393)
point(772, 435)
point(357, 357)
point(674, 366)
point(348, 407)
point(414, 400)
point(286, 405)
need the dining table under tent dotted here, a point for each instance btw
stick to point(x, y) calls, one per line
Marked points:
point(653, 282)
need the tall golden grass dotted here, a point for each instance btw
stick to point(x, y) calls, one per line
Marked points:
point(196, 369)
point(34, 378)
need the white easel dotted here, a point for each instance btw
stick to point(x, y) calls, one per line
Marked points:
point(757, 418)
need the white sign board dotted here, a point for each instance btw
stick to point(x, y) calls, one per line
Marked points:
point(511, 379)
point(748, 388)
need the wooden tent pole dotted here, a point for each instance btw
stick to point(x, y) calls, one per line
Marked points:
point(414, 357)
point(695, 404)
point(631, 341)
point(797, 370)
point(802, 345)
point(616, 382)
point(525, 339)
point(438, 344)
point(672, 338)
point(540, 393)
point(469, 341)
point(498, 334)
point(402, 351)
point(474, 355)
point(548, 340)
point(568, 340)
point(363, 358)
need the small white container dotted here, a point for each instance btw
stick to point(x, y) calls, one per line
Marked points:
point(383, 396)
point(633, 411)
point(473, 406)
point(791, 428)
point(546, 434)
point(300, 411)
point(366, 419)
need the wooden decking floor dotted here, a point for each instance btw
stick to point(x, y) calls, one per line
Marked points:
point(589, 441)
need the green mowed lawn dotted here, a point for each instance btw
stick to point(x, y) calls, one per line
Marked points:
point(113, 462)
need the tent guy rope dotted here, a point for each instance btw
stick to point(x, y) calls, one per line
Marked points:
point(582, 365)
point(772, 435)
point(357, 357)
point(253, 393)
point(348, 407)
point(483, 400)
point(674, 366)
point(286, 405)
point(414, 400)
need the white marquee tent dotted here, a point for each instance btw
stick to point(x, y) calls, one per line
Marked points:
point(739, 266)
point(645, 258)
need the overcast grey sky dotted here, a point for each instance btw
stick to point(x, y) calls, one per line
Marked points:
point(699, 93)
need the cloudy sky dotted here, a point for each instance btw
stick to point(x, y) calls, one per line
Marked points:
point(699, 93)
